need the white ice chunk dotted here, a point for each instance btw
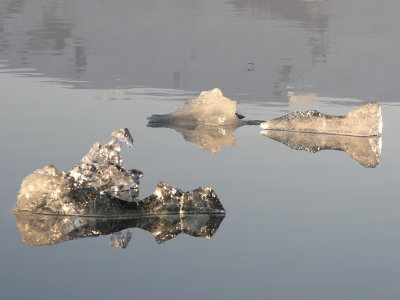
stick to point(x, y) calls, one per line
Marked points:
point(365, 120)
point(210, 108)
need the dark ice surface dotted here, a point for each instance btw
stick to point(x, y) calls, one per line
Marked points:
point(298, 225)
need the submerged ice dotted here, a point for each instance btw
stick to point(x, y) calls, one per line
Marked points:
point(101, 185)
point(365, 120)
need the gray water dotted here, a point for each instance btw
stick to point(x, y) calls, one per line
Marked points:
point(298, 225)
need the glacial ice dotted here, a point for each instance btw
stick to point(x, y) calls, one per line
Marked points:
point(365, 120)
point(100, 185)
point(210, 120)
point(103, 169)
point(40, 229)
point(365, 150)
point(210, 108)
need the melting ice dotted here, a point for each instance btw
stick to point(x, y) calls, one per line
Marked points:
point(101, 185)
point(210, 108)
point(210, 120)
point(365, 120)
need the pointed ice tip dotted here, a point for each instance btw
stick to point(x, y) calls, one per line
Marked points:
point(124, 136)
point(216, 92)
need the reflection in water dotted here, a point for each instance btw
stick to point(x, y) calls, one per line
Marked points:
point(100, 185)
point(42, 38)
point(210, 138)
point(55, 38)
point(52, 35)
point(313, 19)
point(365, 150)
point(301, 98)
point(40, 230)
point(120, 239)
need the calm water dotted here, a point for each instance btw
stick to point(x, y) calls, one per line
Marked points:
point(299, 225)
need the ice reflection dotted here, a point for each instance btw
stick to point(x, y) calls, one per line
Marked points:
point(210, 138)
point(41, 230)
point(365, 150)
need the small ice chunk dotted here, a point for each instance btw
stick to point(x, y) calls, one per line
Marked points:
point(210, 108)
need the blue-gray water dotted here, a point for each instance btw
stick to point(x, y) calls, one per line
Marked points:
point(298, 226)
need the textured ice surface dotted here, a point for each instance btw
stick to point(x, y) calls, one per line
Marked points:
point(365, 150)
point(101, 185)
point(365, 120)
point(103, 169)
point(210, 108)
point(39, 230)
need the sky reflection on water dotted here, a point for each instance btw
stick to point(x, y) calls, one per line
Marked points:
point(294, 46)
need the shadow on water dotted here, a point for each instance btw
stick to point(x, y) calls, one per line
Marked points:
point(41, 230)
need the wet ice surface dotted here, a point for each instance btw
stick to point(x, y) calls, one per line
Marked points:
point(103, 169)
point(299, 225)
point(100, 185)
point(210, 120)
point(210, 108)
point(365, 120)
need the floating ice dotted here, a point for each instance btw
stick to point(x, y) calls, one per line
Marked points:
point(210, 108)
point(40, 230)
point(365, 150)
point(209, 120)
point(365, 120)
point(100, 185)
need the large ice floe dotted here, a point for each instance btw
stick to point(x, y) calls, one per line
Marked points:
point(210, 120)
point(365, 120)
point(101, 185)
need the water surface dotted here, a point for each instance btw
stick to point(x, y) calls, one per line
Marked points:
point(299, 225)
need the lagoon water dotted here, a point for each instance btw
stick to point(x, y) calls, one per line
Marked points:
point(298, 225)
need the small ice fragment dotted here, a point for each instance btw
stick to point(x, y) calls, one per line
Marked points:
point(210, 108)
